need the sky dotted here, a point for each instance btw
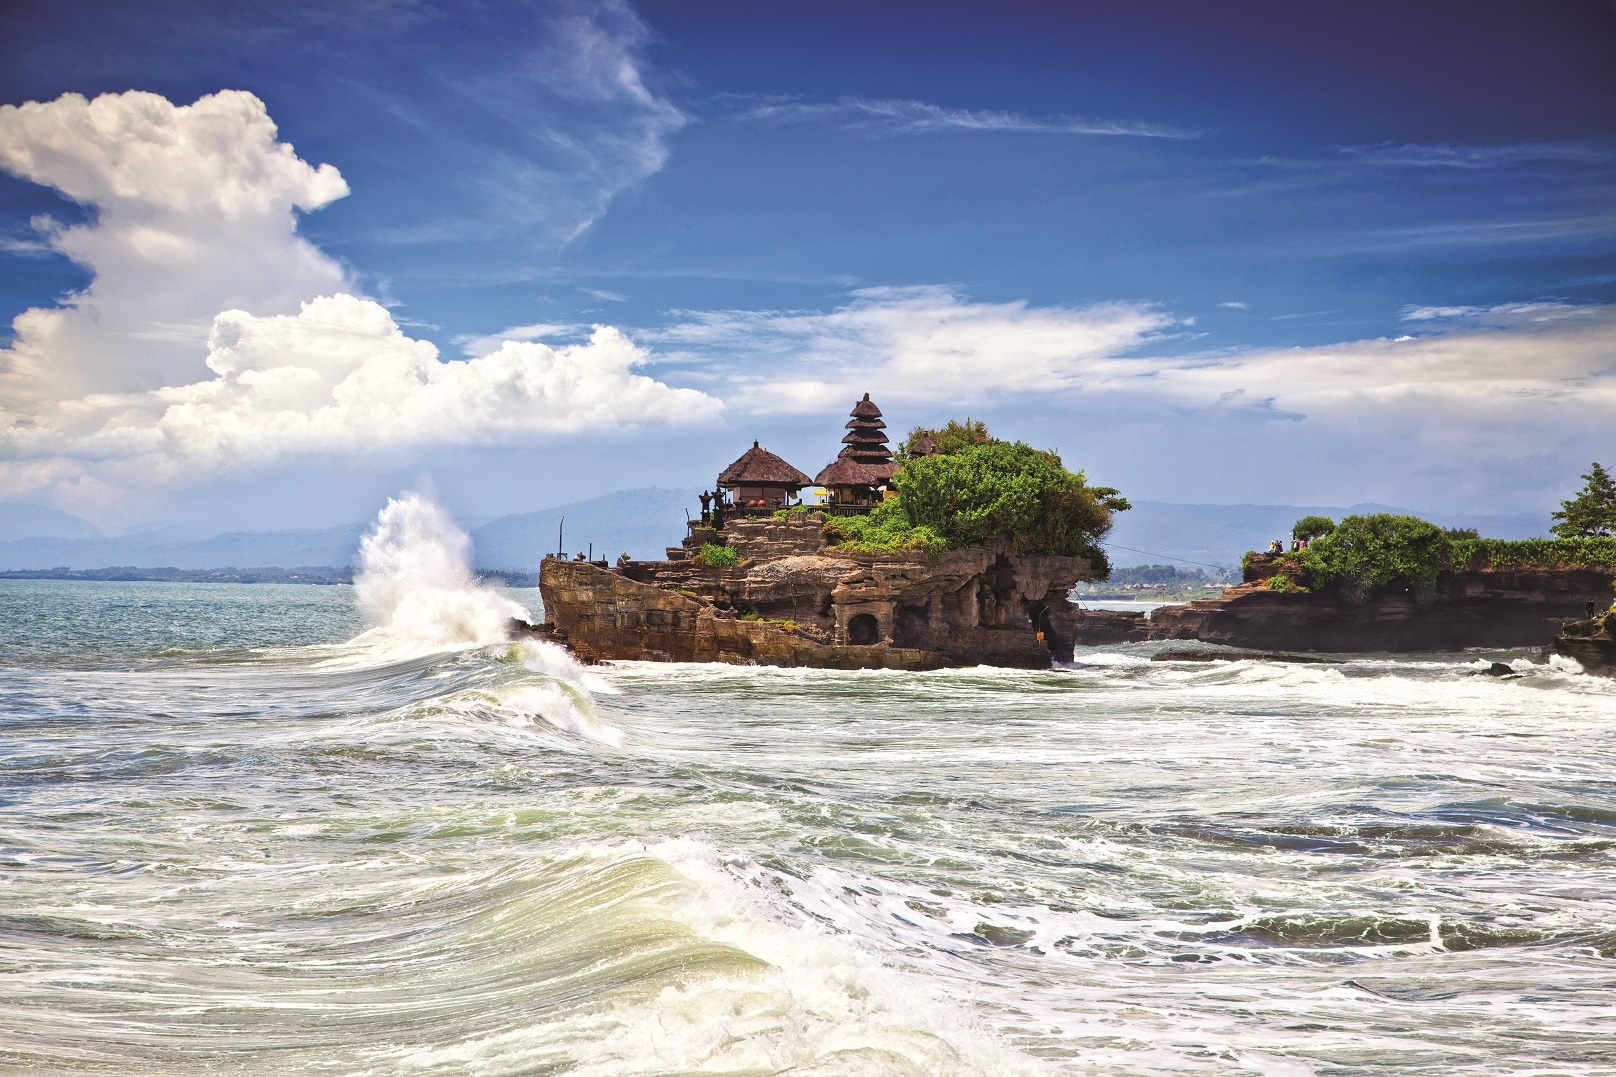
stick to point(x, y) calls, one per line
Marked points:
point(265, 264)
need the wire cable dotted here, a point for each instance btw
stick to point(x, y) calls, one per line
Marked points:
point(1147, 553)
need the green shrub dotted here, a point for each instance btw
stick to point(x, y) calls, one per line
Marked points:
point(712, 555)
point(1365, 554)
point(1312, 527)
point(999, 489)
point(950, 438)
point(1591, 552)
point(784, 624)
point(885, 529)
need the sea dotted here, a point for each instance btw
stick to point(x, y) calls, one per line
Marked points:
point(271, 829)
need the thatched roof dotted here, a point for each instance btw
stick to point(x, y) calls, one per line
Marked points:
point(760, 467)
point(846, 471)
point(866, 410)
point(924, 446)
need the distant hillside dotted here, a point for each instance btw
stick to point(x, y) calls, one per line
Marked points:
point(21, 520)
point(1219, 534)
point(640, 523)
point(330, 546)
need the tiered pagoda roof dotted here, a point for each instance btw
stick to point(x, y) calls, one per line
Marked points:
point(760, 467)
point(866, 460)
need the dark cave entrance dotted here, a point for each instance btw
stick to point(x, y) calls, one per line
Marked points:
point(863, 630)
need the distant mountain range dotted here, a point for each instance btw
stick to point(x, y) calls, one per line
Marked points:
point(19, 520)
point(641, 523)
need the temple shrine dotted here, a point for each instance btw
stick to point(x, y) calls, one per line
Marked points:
point(759, 482)
point(862, 472)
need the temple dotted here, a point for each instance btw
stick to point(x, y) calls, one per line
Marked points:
point(861, 474)
point(751, 583)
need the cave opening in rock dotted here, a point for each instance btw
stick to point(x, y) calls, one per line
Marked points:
point(863, 630)
point(909, 626)
point(1044, 626)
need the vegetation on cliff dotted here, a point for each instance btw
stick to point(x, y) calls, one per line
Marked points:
point(1365, 554)
point(977, 488)
point(1592, 512)
point(887, 528)
point(712, 555)
point(1309, 528)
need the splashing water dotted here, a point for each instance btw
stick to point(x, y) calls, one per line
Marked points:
point(415, 580)
point(416, 589)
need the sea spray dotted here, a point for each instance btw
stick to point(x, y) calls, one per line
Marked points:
point(415, 580)
point(416, 589)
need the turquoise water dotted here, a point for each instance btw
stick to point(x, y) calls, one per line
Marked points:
point(235, 838)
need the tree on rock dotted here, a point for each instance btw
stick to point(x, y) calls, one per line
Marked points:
point(1593, 511)
point(1364, 554)
point(1309, 528)
point(979, 490)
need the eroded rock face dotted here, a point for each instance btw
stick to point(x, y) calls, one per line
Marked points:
point(1591, 643)
point(1520, 607)
point(981, 605)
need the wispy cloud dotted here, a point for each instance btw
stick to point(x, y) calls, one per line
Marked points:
point(475, 344)
point(1458, 156)
point(919, 343)
point(1235, 304)
point(1379, 417)
point(905, 117)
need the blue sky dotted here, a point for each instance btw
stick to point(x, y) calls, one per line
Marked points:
point(1217, 253)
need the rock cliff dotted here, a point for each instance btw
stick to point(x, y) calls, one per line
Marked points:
point(1592, 643)
point(796, 601)
point(1511, 607)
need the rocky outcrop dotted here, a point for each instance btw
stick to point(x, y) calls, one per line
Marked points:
point(797, 601)
point(1103, 628)
point(1591, 643)
point(1510, 607)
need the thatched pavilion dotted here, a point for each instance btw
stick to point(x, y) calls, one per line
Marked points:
point(761, 480)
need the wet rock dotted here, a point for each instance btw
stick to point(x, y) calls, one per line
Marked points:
point(793, 601)
point(1590, 644)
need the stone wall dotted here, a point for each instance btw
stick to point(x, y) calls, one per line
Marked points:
point(763, 537)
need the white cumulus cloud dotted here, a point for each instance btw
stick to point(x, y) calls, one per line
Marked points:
point(213, 336)
point(340, 377)
point(194, 212)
